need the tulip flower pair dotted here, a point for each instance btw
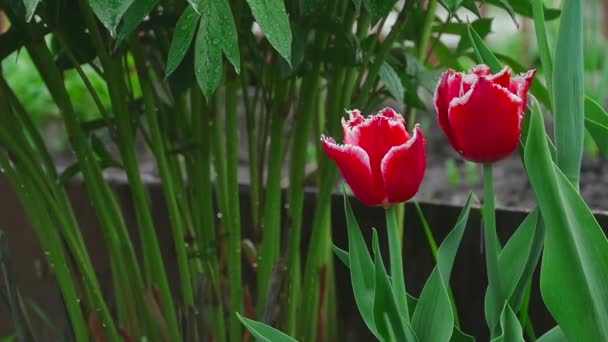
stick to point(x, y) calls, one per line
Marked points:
point(480, 113)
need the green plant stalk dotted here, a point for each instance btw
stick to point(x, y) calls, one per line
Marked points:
point(271, 238)
point(427, 30)
point(58, 201)
point(234, 216)
point(93, 179)
point(396, 262)
point(148, 235)
point(49, 238)
point(113, 76)
point(372, 74)
point(302, 128)
point(254, 169)
point(328, 173)
point(205, 227)
point(538, 13)
point(491, 242)
point(524, 318)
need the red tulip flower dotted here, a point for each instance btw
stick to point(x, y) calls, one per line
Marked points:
point(379, 160)
point(482, 113)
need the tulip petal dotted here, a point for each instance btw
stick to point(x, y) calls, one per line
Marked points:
point(354, 163)
point(403, 168)
point(520, 85)
point(486, 122)
point(450, 86)
point(376, 135)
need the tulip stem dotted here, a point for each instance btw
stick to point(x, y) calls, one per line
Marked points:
point(492, 245)
point(396, 259)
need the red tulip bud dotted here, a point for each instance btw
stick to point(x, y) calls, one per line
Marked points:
point(482, 113)
point(379, 160)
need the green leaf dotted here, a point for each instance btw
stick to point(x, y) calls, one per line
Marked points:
point(433, 319)
point(554, 335)
point(459, 336)
point(384, 301)
point(378, 9)
point(182, 38)
point(110, 12)
point(263, 332)
point(274, 22)
point(136, 13)
point(452, 5)
point(517, 262)
point(391, 80)
point(574, 270)
point(361, 266)
point(342, 255)
point(30, 8)
point(568, 88)
point(216, 33)
point(511, 329)
point(596, 122)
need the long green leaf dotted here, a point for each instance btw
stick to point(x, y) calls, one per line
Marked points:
point(182, 38)
point(554, 335)
point(516, 263)
point(216, 33)
point(274, 22)
point(433, 319)
point(263, 332)
point(596, 122)
point(362, 279)
point(391, 80)
point(110, 12)
point(136, 13)
point(509, 324)
point(575, 259)
point(568, 88)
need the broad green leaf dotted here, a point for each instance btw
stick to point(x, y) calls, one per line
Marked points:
point(30, 8)
point(452, 5)
point(459, 336)
point(384, 301)
point(596, 122)
point(136, 13)
point(274, 22)
point(263, 332)
point(182, 38)
point(342, 255)
point(391, 80)
point(433, 319)
point(216, 34)
point(361, 265)
point(554, 335)
point(110, 12)
point(574, 269)
point(517, 262)
point(378, 9)
point(509, 324)
point(568, 88)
